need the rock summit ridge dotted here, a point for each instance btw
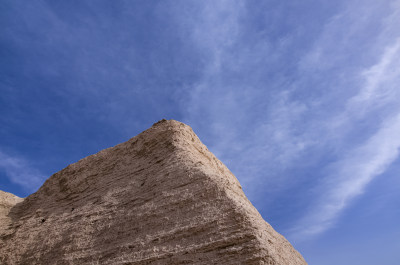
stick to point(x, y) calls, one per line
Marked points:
point(160, 198)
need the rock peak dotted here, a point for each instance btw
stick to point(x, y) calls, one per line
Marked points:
point(160, 198)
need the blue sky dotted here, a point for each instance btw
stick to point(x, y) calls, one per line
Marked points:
point(300, 99)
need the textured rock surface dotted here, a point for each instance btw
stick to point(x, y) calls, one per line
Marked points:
point(7, 201)
point(159, 198)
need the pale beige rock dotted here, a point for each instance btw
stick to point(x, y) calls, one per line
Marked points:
point(7, 201)
point(159, 198)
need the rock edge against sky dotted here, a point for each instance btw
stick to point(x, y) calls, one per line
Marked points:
point(159, 198)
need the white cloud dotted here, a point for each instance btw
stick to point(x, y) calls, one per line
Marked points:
point(361, 164)
point(266, 122)
point(20, 172)
point(350, 176)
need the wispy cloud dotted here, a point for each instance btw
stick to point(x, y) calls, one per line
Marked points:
point(20, 172)
point(360, 164)
point(379, 87)
point(349, 178)
point(231, 99)
point(334, 100)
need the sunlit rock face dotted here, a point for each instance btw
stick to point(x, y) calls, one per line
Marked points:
point(7, 201)
point(159, 198)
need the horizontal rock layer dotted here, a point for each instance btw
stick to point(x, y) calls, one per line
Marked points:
point(159, 198)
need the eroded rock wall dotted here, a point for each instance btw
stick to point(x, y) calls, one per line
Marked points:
point(159, 198)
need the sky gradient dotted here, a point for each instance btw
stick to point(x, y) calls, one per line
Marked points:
point(300, 99)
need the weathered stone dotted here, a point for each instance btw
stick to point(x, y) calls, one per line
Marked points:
point(159, 198)
point(7, 201)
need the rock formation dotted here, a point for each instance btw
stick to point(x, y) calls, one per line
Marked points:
point(159, 198)
point(7, 201)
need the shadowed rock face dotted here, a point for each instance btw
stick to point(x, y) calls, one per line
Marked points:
point(159, 198)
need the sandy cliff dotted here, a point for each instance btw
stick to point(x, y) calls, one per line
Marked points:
point(159, 198)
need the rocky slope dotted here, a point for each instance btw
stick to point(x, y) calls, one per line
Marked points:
point(7, 201)
point(159, 198)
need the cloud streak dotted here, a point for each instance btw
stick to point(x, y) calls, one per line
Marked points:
point(20, 172)
point(361, 164)
point(334, 101)
point(349, 178)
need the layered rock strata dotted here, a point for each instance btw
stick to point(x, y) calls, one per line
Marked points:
point(159, 198)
